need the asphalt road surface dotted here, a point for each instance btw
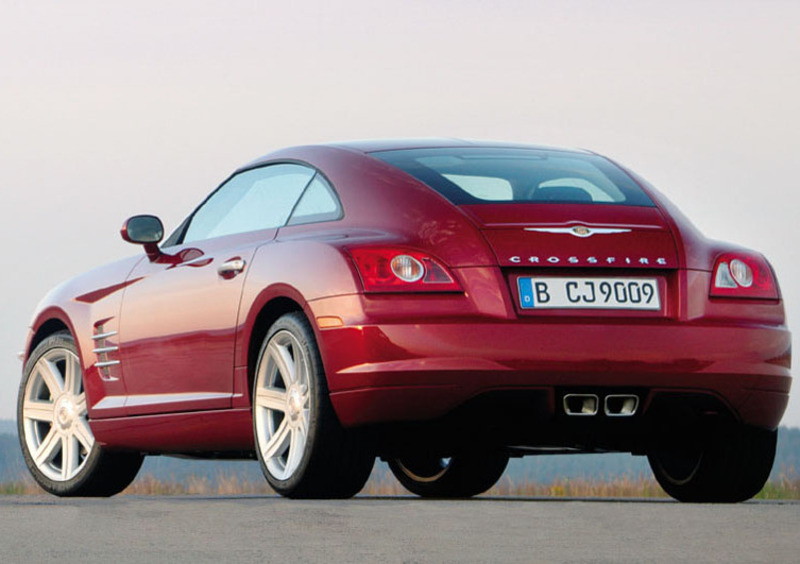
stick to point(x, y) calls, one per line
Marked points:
point(404, 530)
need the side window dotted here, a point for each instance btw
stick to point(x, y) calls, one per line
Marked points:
point(318, 203)
point(256, 199)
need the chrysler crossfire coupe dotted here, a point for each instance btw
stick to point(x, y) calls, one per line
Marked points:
point(441, 304)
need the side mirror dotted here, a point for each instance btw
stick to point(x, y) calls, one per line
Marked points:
point(144, 230)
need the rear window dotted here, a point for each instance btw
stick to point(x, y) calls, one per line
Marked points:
point(476, 175)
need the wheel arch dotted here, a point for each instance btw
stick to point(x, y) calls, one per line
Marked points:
point(273, 307)
point(48, 322)
point(49, 327)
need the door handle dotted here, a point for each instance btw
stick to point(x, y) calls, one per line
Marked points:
point(231, 268)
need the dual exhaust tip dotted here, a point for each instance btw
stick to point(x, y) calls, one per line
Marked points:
point(614, 405)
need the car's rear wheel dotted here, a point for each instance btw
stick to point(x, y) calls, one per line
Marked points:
point(463, 475)
point(303, 450)
point(53, 423)
point(723, 466)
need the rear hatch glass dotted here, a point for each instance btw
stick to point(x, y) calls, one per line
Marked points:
point(475, 175)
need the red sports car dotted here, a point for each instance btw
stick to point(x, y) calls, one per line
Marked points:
point(443, 305)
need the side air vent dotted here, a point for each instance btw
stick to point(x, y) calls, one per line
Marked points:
point(103, 349)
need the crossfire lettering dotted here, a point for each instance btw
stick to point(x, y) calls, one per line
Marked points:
point(589, 260)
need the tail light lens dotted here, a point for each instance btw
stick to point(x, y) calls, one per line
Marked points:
point(391, 269)
point(743, 276)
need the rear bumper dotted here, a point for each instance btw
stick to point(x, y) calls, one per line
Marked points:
point(418, 372)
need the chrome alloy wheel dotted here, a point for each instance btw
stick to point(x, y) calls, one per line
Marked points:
point(282, 404)
point(55, 418)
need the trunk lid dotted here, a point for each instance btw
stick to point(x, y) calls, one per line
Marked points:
point(576, 235)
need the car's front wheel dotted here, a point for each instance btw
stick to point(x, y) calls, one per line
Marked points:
point(724, 466)
point(463, 475)
point(57, 442)
point(303, 450)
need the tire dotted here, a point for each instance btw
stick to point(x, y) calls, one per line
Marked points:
point(723, 466)
point(303, 450)
point(57, 442)
point(464, 475)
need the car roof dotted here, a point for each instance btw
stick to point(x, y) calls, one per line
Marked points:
point(367, 146)
point(373, 145)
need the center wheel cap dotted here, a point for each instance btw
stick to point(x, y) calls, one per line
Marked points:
point(295, 406)
point(65, 412)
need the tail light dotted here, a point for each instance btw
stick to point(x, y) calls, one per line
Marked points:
point(738, 275)
point(392, 269)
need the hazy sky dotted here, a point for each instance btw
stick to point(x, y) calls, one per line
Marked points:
point(108, 109)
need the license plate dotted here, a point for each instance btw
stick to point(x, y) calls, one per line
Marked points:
point(589, 293)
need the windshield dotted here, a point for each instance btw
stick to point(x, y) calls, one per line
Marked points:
point(476, 175)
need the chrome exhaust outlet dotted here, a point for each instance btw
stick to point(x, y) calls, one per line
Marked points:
point(581, 405)
point(622, 405)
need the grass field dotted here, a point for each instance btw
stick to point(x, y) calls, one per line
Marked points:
point(385, 485)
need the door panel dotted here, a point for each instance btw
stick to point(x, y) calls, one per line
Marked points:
point(178, 325)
